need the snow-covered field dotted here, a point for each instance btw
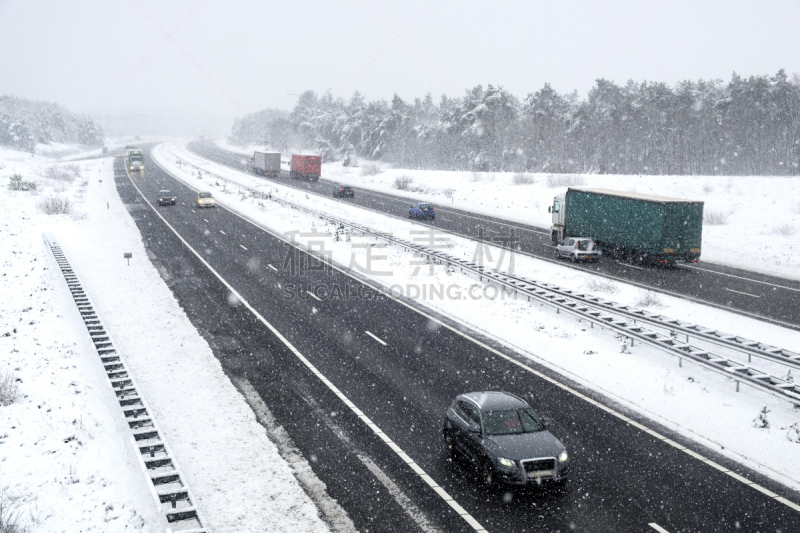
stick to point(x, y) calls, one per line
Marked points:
point(64, 464)
point(759, 215)
point(695, 402)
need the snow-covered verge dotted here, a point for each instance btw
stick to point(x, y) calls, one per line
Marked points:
point(698, 403)
point(757, 217)
point(74, 475)
point(64, 464)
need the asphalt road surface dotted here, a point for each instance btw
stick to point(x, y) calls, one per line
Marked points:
point(761, 296)
point(402, 375)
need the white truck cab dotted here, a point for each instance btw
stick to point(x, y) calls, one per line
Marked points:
point(558, 211)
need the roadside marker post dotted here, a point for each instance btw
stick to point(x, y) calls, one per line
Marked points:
point(128, 257)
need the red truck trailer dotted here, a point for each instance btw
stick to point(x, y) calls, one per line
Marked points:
point(306, 167)
point(267, 163)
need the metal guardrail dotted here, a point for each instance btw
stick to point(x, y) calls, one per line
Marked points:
point(735, 342)
point(173, 499)
point(595, 310)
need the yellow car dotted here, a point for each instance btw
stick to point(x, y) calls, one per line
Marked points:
point(204, 199)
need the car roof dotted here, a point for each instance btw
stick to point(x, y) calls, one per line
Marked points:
point(495, 400)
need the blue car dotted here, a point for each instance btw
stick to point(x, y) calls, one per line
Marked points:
point(422, 210)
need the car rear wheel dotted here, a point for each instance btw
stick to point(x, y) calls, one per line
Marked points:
point(574, 258)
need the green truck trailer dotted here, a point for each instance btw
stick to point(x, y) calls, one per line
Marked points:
point(135, 160)
point(643, 227)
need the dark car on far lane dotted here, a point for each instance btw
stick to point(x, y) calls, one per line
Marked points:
point(422, 210)
point(166, 197)
point(502, 436)
point(344, 191)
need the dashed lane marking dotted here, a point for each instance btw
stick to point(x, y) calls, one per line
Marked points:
point(657, 527)
point(626, 265)
point(206, 220)
point(374, 337)
point(242, 247)
point(317, 298)
point(273, 268)
point(222, 232)
point(740, 292)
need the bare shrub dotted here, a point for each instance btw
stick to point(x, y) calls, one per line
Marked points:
point(371, 169)
point(785, 230)
point(522, 178)
point(708, 188)
point(716, 218)
point(56, 205)
point(60, 174)
point(564, 180)
point(8, 389)
point(10, 515)
point(476, 177)
point(649, 299)
point(601, 285)
point(403, 182)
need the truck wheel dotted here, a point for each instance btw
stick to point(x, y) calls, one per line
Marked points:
point(554, 237)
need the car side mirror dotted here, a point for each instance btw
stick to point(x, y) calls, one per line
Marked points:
point(547, 422)
point(550, 209)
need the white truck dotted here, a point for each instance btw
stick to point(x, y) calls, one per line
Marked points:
point(266, 163)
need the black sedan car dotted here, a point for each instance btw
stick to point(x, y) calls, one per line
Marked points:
point(344, 191)
point(505, 439)
point(166, 197)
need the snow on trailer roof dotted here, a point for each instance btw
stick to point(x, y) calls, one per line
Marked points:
point(635, 195)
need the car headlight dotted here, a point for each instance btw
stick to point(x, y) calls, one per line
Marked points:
point(506, 462)
point(563, 456)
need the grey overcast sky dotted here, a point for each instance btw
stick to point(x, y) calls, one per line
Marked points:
point(214, 60)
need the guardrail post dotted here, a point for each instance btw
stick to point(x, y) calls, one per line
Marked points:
point(737, 385)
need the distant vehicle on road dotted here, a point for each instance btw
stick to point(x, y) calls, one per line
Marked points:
point(344, 191)
point(266, 163)
point(502, 436)
point(578, 249)
point(422, 210)
point(130, 146)
point(204, 199)
point(166, 197)
point(642, 227)
point(104, 150)
point(135, 160)
point(307, 167)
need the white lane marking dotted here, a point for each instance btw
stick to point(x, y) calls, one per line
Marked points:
point(243, 248)
point(374, 337)
point(446, 219)
point(272, 267)
point(222, 232)
point(745, 293)
point(508, 358)
point(206, 220)
point(626, 265)
point(657, 527)
point(317, 298)
point(383, 436)
point(741, 277)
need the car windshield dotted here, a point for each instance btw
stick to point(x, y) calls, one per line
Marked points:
point(510, 422)
point(165, 193)
point(425, 206)
point(204, 195)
